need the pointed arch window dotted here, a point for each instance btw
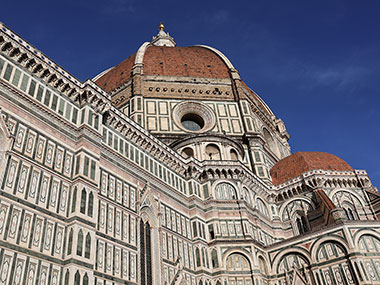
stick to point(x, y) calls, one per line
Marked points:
point(77, 278)
point(300, 223)
point(214, 258)
point(83, 200)
point(74, 201)
point(80, 243)
point(90, 205)
point(67, 277)
point(88, 246)
point(70, 243)
point(349, 211)
point(145, 254)
point(85, 279)
point(198, 257)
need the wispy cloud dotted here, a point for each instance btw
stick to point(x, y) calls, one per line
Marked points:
point(219, 16)
point(215, 18)
point(120, 7)
point(341, 76)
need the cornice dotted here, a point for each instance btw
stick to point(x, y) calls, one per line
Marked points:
point(321, 179)
point(38, 64)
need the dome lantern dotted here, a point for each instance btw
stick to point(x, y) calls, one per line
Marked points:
point(163, 38)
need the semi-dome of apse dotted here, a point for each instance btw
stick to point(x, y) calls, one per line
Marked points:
point(294, 165)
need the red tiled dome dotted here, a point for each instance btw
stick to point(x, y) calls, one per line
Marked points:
point(192, 61)
point(117, 75)
point(294, 165)
point(184, 61)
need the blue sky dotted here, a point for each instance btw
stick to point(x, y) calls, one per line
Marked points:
point(315, 63)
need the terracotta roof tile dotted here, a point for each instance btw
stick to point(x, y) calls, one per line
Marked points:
point(184, 61)
point(118, 75)
point(168, 61)
point(294, 165)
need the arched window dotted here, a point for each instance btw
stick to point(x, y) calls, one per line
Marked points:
point(198, 257)
point(349, 210)
point(347, 200)
point(70, 242)
point(83, 200)
point(85, 279)
point(145, 253)
point(203, 257)
point(74, 201)
point(300, 223)
point(87, 251)
point(206, 262)
point(67, 277)
point(225, 191)
point(214, 258)
point(212, 152)
point(187, 152)
point(262, 207)
point(233, 154)
point(90, 205)
point(290, 262)
point(239, 268)
point(80, 243)
point(327, 254)
point(77, 278)
point(246, 196)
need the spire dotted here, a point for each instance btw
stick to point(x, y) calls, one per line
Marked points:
point(163, 38)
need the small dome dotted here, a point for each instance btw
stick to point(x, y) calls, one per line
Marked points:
point(294, 165)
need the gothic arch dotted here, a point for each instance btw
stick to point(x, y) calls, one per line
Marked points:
point(147, 215)
point(241, 251)
point(148, 209)
point(299, 222)
point(225, 194)
point(363, 232)
point(283, 207)
point(149, 218)
point(334, 239)
point(295, 250)
point(362, 202)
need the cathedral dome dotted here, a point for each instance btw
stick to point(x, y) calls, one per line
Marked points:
point(193, 61)
point(300, 162)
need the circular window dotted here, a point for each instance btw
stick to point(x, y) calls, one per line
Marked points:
point(194, 117)
point(192, 122)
